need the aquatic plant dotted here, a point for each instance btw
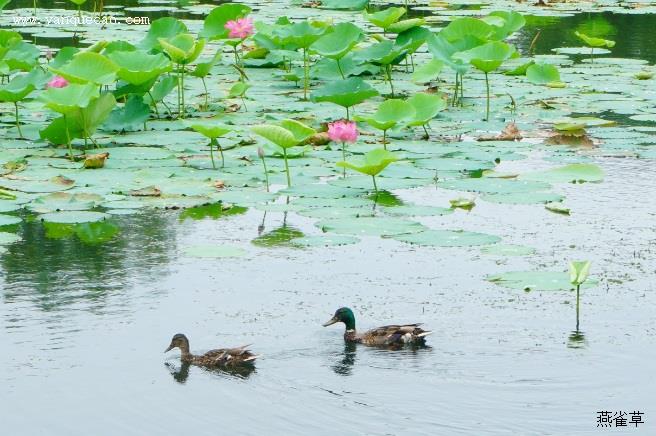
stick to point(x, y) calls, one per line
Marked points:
point(18, 88)
point(384, 54)
point(238, 31)
point(426, 107)
point(239, 90)
point(260, 154)
point(57, 82)
point(344, 132)
point(371, 164)
point(288, 134)
point(182, 49)
point(487, 58)
point(346, 93)
point(593, 42)
point(391, 113)
point(578, 274)
point(336, 44)
point(212, 131)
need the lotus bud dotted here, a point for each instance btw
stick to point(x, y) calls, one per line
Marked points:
point(260, 152)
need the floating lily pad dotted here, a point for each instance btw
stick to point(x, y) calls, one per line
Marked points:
point(214, 251)
point(573, 173)
point(494, 185)
point(537, 281)
point(508, 250)
point(416, 210)
point(9, 220)
point(61, 201)
point(523, 197)
point(73, 217)
point(278, 237)
point(448, 238)
point(324, 241)
point(370, 226)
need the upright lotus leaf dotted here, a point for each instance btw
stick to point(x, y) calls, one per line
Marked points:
point(413, 38)
point(21, 55)
point(579, 272)
point(346, 93)
point(426, 106)
point(132, 116)
point(385, 18)
point(405, 25)
point(203, 69)
point(486, 58)
point(118, 45)
point(339, 42)
point(390, 114)
point(214, 24)
point(301, 35)
point(512, 22)
point(88, 67)
point(372, 163)
point(138, 67)
point(183, 48)
point(212, 131)
point(385, 53)
point(18, 88)
point(467, 28)
point(344, 5)
point(96, 112)
point(543, 74)
point(289, 133)
point(443, 50)
point(166, 28)
point(427, 72)
point(70, 98)
point(591, 41)
point(64, 56)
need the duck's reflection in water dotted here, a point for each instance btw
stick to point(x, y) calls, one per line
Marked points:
point(180, 372)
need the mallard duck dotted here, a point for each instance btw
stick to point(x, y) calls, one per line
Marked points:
point(226, 357)
point(389, 335)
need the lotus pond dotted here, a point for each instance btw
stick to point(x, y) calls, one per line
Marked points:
point(188, 174)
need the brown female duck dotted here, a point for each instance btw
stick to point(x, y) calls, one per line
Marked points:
point(224, 357)
point(389, 335)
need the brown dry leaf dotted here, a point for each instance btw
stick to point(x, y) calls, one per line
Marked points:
point(575, 141)
point(509, 133)
point(148, 191)
point(320, 138)
point(233, 108)
point(94, 161)
point(62, 180)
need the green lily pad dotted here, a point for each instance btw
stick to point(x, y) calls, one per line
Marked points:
point(494, 185)
point(214, 251)
point(448, 238)
point(415, 210)
point(324, 241)
point(370, 226)
point(9, 220)
point(279, 237)
point(508, 250)
point(73, 217)
point(573, 173)
point(537, 281)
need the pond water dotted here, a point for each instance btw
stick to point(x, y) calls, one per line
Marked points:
point(83, 326)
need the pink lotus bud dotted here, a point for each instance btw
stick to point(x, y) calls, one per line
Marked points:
point(57, 82)
point(343, 131)
point(241, 28)
point(48, 55)
point(260, 152)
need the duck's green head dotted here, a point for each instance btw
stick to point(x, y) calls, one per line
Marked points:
point(345, 315)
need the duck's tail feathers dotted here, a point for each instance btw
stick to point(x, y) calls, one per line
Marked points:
point(252, 358)
point(425, 333)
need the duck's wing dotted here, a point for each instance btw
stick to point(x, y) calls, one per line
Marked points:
point(230, 356)
point(395, 334)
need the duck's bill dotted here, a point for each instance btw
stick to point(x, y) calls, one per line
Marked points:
point(168, 349)
point(331, 321)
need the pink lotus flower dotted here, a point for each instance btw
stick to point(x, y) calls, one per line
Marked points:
point(241, 28)
point(343, 131)
point(57, 82)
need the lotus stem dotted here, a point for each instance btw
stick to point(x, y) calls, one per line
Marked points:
point(425, 131)
point(182, 90)
point(154, 104)
point(591, 59)
point(385, 139)
point(462, 90)
point(34, 4)
point(236, 55)
point(487, 107)
point(20, 133)
point(388, 68)
point(218, 146)
point(289, 179)
point(212, 141)
point(206, 107)
point(68, 140)
point(339, 67)
point(243, 102)
point(306, 74)
point(179, 101)
point(348, 118)
point(344, 159)
point(375, 186)
point(266, 174)
point(578, 287)
point(79, 13)
point(455, 92)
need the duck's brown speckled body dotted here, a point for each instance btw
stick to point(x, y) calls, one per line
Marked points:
point(223, 357)
point(389, 335)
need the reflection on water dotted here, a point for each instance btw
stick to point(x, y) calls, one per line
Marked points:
point(344, 363)
point(576, 339)
point(180, 372)
point(53, 270)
